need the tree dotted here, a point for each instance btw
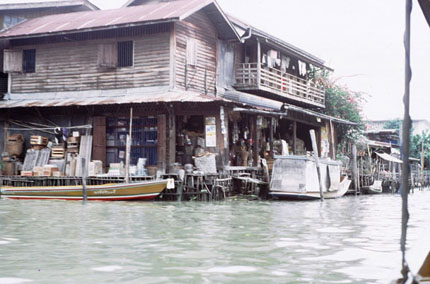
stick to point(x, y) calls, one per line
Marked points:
point(393, 124)
point(418, 142)
point(343, 103)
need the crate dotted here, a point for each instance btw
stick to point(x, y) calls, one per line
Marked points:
point(58, 152)
point(38, 140)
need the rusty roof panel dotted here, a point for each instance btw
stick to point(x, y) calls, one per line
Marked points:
point(83, 21)
point(166, 97)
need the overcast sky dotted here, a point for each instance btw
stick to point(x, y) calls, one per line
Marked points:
point(361, 39)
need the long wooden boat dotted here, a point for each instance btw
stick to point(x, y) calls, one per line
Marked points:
point(144, 190)
point(295, 178)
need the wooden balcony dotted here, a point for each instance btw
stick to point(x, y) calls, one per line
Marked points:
point(251, 77)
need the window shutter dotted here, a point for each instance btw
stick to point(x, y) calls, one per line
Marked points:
point(108, 55)
point(12, 61)
point(192, 52)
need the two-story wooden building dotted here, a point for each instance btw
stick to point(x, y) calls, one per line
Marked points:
point(196, 80)
point(13, 12)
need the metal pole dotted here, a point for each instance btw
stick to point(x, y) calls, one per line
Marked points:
point(405, 134)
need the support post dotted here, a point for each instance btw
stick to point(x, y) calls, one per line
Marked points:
point(422, 164)
point(272, 126)
point(317, 162)
point(405, 139)
point(84, 179)
point(258, 63)
point(128, 148)
point(355, 169)
point(295, 137)
point(256, 138)
point(84, 163)
point(6, 135)
point(333, 146)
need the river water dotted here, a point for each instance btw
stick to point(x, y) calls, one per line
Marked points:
point(347, 240)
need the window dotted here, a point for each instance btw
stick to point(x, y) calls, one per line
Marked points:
point(29, 60)
point(144, 140)
point(10, 21)
point(125, 53)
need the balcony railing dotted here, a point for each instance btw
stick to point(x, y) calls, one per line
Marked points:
point(272, 80)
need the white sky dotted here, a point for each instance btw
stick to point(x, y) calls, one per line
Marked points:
point(361, 39)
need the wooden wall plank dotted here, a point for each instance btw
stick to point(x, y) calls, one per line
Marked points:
point(74, 67)
point(199, 27)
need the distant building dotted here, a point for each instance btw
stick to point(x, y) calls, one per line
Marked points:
point(390, 136)
point(418, 126)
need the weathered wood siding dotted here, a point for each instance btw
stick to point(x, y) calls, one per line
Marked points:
point(199, 27)
point(73, 67)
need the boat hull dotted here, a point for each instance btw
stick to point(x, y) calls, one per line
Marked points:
point(283, 195)
point(106, 192)
point(296, 178)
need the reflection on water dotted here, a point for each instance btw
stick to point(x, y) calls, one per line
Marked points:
point(348, 240)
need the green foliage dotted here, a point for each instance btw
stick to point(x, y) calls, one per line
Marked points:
point(393, 124)
point(345, 104)
point(417, 143)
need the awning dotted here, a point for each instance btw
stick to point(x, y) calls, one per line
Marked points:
point(274, 106)
point(259, 112)
point(389, 158)
point(373, 143)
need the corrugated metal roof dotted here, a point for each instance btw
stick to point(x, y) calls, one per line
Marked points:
point(389, 158)
point(289, 47)
point(94, 20)
point(41, 4)
point(81, 100)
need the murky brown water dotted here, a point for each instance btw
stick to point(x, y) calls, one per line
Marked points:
point(348, 240)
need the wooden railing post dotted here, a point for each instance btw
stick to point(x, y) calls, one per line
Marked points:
point(258, 63)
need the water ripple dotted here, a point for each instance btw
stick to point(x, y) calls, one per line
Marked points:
point(349, 240)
